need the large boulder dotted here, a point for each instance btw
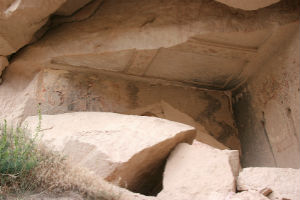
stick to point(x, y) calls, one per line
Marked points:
point(284, 182)
point(124, 149)
point(198, 171)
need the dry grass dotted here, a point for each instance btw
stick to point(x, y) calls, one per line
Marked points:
point(26, 167)
point(18, 158)
point(55, 175)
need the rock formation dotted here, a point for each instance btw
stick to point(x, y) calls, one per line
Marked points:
point(126, 150)
point(284, 182)
point(248, 5)
point(269, 122)
point(248, 195)
point(198, 171)
point(166, 111)
point(21, 19)
point(121, 84)
point(3, 64)
point(192, 45)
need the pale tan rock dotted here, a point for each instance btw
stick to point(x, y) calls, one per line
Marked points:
point(248, 4)
point(57, 91)
point(196, 48)
point(202, 134)
point(70, 6)
point(197, 171)
point(206, 49)
point(233, 156)
point(123, 149)
point(284, 182)
point(247, 195)
point(174, 45)
point(20, 19)
point(3, 63)
point(234, 160)
point(277, 138)
point(81, 14)
point(166, 111)
point(5, 4)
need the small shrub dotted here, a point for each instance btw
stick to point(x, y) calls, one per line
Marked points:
point(18, 156)
point(26, 166)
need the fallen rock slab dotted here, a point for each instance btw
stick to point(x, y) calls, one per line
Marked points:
point(124, 149)
point(166, 111)
point(284, 182)
point(197, 171)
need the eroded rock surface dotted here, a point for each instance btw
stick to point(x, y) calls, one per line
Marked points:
point(247, 195)
point(198, 43)
point(61, 91)
point(201, 44)
point(134, 56)
point(20, 19)
point(70, 6)
point(166, 111)
point(284, 182)
point(124, 149)
point(190, 44)
point(248, 5)
point(198, 171)
point(267, 110)
point(3, 63)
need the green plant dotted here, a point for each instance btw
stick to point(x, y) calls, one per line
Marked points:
point(17, 151)
point(27, 166)
point(18, 154)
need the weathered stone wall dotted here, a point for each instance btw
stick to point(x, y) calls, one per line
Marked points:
point(62, 91)
point(267, 110)
point(121, 55)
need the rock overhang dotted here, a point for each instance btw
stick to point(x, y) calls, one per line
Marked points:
point(190, 43)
